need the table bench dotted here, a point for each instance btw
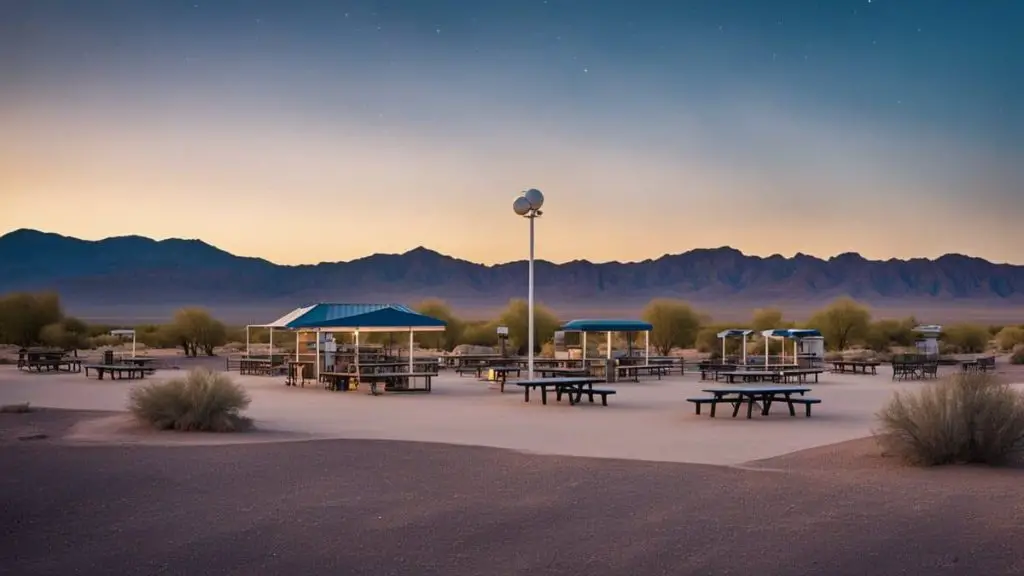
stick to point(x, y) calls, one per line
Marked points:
point(381, 381)
point(62, 365)
point(574, 388)
point(253, 367)
point(116, 371)
point(855, 366)
point(478, 371)
point(337, 381)
point(764, 395)
point(561, 372)
point(633, 372)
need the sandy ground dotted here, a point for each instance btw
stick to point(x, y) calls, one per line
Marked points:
point(649, 420)
point(364, 507)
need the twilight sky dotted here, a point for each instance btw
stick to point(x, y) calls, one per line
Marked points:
point(303, 131)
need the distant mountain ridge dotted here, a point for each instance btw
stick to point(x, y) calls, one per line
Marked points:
point(134, 270)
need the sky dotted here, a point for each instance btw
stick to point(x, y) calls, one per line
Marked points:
point(307, 131)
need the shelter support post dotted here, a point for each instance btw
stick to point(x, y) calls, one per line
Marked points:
point(608, 354)
point(647, 346)
point(355, 339)
point(296, 346)
point(583, 351)
point(744, 349)
point(247, 340)
point(317, 371)
point(271, 348)
point(412, 339)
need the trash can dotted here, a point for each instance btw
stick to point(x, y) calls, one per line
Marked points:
point(611, 372)
point(108, 357)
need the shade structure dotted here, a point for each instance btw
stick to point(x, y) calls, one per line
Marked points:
point(735, 333)
point(353, 318)
point(783, 334)
point(584, 326)
point(606, 326)
point(357, 317)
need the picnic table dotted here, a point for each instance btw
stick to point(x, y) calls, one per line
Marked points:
point(255, 366)
point(116, 371)
point(633, 372)
point(573, 388)
point(855, 366)
point(915, 370)
point(501, 374)
point(763, 395)
point(552, 372)
point(296, 372)
point(381, 382)
point(979, 365)
point(337, 380)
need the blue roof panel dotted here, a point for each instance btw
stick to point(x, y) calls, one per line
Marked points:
point(364, 316)
point(606, 326)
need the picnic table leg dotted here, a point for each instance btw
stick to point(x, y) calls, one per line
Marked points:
point(736, 406)
point(789, 400)
point(750, 408)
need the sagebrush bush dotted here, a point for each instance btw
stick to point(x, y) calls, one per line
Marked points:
point(200, 401)
point(1018, 356)
point(967, 418)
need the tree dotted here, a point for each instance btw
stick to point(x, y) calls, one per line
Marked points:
point(884, 334)
point(195, 330)
point(1009, 338)
point(767, 319)
point(516, 317)
point(675, 323)
point(968, 338)
point(23, 317)
point(452, 334)
point(842, 323)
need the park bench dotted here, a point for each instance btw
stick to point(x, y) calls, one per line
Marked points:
point(763, 395)
point(589, 393)
point(116, 371)
point(798, 375)
point(807, 402)
point(337, 381)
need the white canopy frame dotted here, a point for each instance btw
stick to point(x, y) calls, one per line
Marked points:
point(608, 352)
point(412, 330)
point(724, 335)
point(124, 333)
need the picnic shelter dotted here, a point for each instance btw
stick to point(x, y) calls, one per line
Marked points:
point(783, 334)
point(744, 335)
point(609, 327)
point(313, 321)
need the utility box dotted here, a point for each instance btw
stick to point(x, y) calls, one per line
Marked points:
point(611, 372)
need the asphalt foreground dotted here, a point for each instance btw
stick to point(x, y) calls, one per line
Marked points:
point(389, 507)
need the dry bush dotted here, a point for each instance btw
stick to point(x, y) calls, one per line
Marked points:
point(201, 401)
point(1018, 356)
point(967, 418)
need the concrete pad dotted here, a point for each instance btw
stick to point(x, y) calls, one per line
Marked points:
point(650, 420)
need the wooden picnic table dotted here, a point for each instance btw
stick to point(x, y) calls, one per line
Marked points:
point(855, 366)
point(116, 371)
point(573, 388)
point(763, 395)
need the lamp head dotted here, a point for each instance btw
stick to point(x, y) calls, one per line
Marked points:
point(535, 198)
point(521, 206)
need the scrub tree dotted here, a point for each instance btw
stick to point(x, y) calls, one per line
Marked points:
point(675, 325)
point(516, 317)
point(842, 323)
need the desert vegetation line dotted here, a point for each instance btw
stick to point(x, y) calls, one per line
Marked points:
point(38, 319)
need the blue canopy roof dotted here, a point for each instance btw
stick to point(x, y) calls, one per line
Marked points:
point(358, 317)
point(606, 326)
point(734, 333)
point(794, 333)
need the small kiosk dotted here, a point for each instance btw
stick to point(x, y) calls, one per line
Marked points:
point(928, 339)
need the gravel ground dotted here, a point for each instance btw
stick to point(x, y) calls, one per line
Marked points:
point(382, 507)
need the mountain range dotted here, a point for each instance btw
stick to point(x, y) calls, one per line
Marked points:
point(146, 274)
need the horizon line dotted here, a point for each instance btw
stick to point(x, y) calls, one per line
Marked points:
point(510, 262)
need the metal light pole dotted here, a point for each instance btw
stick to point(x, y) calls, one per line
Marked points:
point(528, 205)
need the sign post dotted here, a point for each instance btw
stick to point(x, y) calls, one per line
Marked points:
point(503, 336)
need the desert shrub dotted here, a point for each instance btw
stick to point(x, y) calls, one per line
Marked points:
point(968, 418)
point(1018, 356)
point(834, 356)
point(676, 325)
point(842, 323)
point(200, 401)
point(967, 338)
point(1010, 337)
